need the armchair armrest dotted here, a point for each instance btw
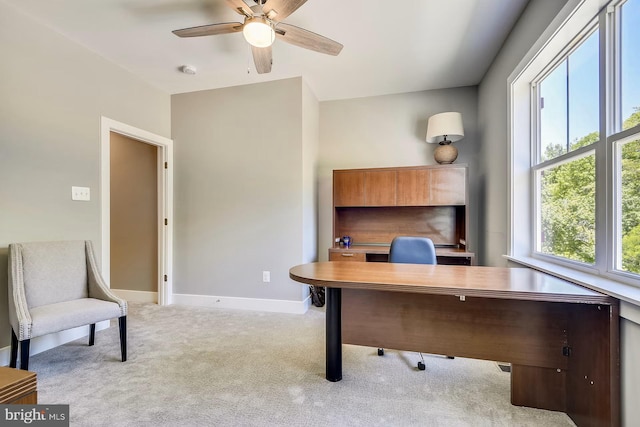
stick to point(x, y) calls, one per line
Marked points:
point(97, 287)
point(19, 316)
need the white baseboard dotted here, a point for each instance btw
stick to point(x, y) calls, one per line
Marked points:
point(255, 304)
point(47, 342)
point(136, 296)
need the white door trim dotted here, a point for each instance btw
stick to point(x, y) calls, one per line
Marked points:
point(165, 200)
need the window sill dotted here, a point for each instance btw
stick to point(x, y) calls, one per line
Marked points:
point(628, 295)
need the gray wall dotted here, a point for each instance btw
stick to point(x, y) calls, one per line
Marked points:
point(493, 126)
point(386, 131)
point(53, 94)
point(310, 147)
point(239, 190)
point(494, 167)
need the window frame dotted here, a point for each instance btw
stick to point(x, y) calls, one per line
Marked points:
point(570, 28)
point(539, 165)
point(616, 142)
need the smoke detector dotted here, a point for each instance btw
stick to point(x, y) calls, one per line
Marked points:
point(188, 69)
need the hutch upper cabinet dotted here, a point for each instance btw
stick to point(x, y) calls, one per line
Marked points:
point(373, 206)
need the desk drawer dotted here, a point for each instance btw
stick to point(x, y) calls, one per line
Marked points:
point(347, 256)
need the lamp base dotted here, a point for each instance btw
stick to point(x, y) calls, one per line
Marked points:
point(445, 154)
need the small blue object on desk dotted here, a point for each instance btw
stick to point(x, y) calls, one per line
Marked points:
point(346, 240)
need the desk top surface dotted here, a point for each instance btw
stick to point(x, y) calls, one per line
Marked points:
point(384, 249)
point(11, 377)
point(473, 281)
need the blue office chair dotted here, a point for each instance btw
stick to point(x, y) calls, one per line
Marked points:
point(412, 250)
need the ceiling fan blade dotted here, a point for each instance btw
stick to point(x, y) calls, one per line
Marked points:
point(262, 58)
point(209, 30)
point(280, 9)
point(240, 7)
point(306, 39)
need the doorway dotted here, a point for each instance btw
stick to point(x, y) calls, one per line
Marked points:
point(136, 140)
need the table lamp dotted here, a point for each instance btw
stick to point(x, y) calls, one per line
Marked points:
point(449, 127)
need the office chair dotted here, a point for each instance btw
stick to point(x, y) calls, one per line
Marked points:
point(412, 250)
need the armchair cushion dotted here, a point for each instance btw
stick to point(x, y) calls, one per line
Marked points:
point(54, 272)
point(57, 317)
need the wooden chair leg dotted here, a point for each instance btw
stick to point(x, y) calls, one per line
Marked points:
point(122, 321)
point(24, 354)
point(92, 334)
point(14, 349)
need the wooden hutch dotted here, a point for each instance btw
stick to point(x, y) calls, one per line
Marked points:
point(373, 206)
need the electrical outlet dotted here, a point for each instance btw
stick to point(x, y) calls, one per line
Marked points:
point(266, 276)
point(81, 193)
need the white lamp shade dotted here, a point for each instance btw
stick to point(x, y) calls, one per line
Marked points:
point(449, 124)
point(258, 32)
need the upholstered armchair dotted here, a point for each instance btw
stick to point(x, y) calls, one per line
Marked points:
point(54, 286)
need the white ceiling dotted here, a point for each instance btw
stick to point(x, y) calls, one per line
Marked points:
point(389, 47)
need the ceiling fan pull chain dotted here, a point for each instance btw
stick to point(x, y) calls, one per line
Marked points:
point(248, 63)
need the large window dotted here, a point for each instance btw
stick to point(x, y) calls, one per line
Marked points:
point(568, 120)
point(576, 104)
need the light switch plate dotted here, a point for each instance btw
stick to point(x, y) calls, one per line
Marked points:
point(81, 193)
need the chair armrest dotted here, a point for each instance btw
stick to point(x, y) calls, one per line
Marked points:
point(97, 287)
point(19, 316)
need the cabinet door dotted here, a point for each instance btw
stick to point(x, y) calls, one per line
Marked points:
point(413, 187)
point(348, 188)
point(380, 188)
point(448, 186)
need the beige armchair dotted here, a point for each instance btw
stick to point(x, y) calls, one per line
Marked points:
point(54, 286)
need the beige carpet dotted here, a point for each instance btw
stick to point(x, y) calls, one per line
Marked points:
point(193, 366)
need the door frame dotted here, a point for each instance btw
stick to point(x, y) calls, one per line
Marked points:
point(165, 200)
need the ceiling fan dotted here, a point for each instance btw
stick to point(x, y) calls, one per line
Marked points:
point(262, 24)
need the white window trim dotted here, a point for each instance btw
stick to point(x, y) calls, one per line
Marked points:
point(575, 18)
point(615, 144)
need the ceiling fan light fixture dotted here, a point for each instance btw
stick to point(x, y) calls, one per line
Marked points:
point(258, 32)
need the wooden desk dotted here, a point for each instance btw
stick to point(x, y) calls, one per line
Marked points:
point(17, 387)
point(561, 339)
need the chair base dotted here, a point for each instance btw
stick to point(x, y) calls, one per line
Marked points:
point(25, 344)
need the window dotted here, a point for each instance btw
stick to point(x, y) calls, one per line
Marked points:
point(568, 107)
point(575, 144)
point(567, 209)
point(569, 114)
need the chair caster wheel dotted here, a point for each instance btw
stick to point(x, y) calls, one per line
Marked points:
point(421, 366)
point(450, 357)
point(381, 352)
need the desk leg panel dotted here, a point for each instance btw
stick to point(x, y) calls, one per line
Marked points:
point(522, 332)
point(334, 334)
point(593, 381)
point(543, 388)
